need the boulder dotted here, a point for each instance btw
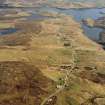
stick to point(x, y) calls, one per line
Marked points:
point(102, 37)
point(67, 44)
point(99, 101)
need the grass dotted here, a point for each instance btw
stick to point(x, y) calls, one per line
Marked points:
point(22, 77)
point(6, 25)
point(79, 91)
point(71, 101)
point(54, 74)
point(46, 51)
point(59, 57)
point(20, 14)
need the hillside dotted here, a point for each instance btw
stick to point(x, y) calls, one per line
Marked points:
point(54, 65)
point(45, 56)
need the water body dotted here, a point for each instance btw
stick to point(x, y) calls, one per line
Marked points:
point(79, 15)
point(8, 31)
point(6, 10)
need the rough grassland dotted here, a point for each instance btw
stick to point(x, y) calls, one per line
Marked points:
point(46, 44)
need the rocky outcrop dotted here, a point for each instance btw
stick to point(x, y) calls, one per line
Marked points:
point(100, 22)
point(102, 37)
point(99, 101)
point(89, 22)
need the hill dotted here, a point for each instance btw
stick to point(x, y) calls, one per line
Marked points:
point(54, 65)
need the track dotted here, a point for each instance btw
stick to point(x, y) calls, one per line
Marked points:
point(66, 79)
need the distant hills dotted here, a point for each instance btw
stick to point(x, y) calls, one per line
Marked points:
point(2, 1)
point(18, 3)
point(37, 2)
point(96, 2)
